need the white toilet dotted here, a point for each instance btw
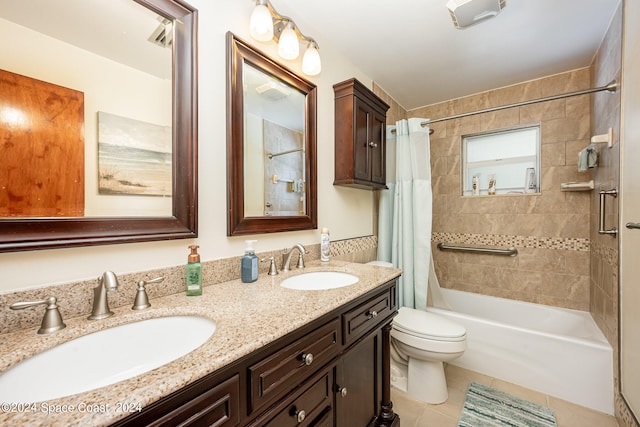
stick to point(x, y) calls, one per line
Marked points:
point(420, 343)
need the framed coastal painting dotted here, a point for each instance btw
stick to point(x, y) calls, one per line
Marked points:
point(134, 157)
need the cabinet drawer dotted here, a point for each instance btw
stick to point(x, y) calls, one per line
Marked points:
point(278, 373)
point(363, 318)
point(218, 407)
point(311, 408)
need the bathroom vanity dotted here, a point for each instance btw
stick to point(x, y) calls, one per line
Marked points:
point(278, 357)
point(329, 372)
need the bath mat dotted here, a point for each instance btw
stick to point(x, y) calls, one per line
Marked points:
point(487, 407)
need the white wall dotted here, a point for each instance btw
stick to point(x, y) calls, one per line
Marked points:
point(347, 212)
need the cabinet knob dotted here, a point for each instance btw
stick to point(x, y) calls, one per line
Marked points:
point(300, 415)
point(372, 314)
point(342, 391)
point(372, 144)
point(307, 358)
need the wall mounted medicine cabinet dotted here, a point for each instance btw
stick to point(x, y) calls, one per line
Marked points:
point(271, 144)
point(360, 140)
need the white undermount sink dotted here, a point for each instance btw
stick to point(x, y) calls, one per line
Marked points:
point(319, 280)
point(102, 358)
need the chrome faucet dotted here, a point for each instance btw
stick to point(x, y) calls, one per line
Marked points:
point(286, 257)
point(52, 320)
point(108, 282)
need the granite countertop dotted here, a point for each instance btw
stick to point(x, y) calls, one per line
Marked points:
point(248, 316)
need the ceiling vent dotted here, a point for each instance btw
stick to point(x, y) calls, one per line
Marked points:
point(163, 35)
point(273, 91)
point(465, 13)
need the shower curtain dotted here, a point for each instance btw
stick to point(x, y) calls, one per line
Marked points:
point(404, 227)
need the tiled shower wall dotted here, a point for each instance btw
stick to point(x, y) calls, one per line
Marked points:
point(604, 300)
point(550, 230)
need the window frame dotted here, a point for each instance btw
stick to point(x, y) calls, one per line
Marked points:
point(464, 165)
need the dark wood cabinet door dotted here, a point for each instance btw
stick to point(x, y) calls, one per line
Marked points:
point(361, 160)
point(359, 372)
point(377, 148)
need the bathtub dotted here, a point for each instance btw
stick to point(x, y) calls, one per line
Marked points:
point(552, 350)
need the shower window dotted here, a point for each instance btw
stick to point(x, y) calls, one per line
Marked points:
point(507, 155)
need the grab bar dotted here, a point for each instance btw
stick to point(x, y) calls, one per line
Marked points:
point(272, 155)
point(494, 251)
point(613, 232)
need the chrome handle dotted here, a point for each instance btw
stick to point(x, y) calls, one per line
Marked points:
point(373, 144)
point(52, 320)
point(300, 415)
point(27, 304)
point(156, 280)
point(141, 300)
point(613, 232)
point(342, 391)
point(307, 358)
point(633, 225)
point(273, 268)
point(372, 314)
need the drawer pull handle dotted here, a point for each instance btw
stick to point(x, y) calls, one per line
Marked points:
point(342, 391)
point(372, 314)
point(300, 415)
point(307, 358)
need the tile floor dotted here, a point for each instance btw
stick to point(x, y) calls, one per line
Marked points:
point(417, 414)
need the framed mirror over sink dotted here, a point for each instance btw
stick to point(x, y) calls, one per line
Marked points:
point(271, 144)
point(128, 103)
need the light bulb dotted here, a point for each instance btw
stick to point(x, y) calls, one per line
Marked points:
point(261, 24)
point(288, 47)
point(311, 64)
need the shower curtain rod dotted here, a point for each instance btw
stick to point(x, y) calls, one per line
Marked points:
point(611, 88)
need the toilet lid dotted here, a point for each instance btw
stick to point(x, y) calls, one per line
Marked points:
point(428, 325)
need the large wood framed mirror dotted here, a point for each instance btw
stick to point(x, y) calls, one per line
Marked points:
point(271, 144)
point(127, 70)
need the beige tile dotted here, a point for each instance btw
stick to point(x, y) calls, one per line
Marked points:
point(553, 154)
point(417, 414)
point(409, 410)
point(433, 418)
point(543, 111)
point(570, 415)
point(521, 392)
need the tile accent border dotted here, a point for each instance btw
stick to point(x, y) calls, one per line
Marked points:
point(623, 413)
point(359, 244)
point(532, 242)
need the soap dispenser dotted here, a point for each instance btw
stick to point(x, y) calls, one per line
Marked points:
point(194, 272)
point(249, 263)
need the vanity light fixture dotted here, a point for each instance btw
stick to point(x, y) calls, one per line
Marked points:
point(288, 46)
point(267, 24)
point(311, 64)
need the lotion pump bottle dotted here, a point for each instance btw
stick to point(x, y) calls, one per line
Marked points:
point(194, 272)
point(324, 245)
point(249, 263)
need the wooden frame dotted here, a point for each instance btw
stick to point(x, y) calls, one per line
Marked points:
point(47, 233)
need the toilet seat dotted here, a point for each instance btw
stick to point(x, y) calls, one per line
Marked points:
point(428, 326)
